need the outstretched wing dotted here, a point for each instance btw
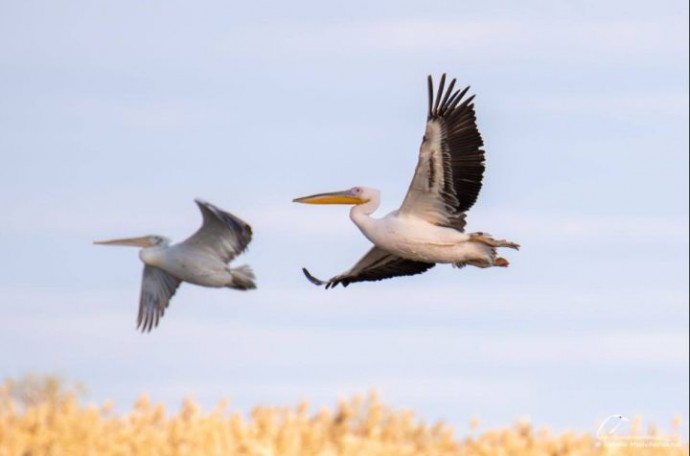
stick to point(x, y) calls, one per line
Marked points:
point(377, 264)
point(157, 287)
point(221, 233)
point(449, 172)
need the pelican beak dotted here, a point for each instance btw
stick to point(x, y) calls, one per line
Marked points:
point(144, 241)
point(342, 197)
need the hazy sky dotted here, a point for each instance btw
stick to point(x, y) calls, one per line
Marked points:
point(114, 116)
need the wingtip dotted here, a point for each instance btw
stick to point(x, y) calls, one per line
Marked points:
point(201, 201)
point(145, 323)
point(143, 328)
point(311, 278)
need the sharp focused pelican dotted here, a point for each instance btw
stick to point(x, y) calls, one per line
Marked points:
point(429, 226)
point(202, 259)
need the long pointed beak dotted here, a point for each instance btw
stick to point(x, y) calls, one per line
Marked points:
point(144, 241)
point(341, 197)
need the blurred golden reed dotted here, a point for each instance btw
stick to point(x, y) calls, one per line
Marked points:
point(41, 416)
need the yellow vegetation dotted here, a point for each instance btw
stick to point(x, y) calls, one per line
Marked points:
point(40, 420)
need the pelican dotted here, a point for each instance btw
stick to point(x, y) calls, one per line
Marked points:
point(202, 259)
point(429, 227)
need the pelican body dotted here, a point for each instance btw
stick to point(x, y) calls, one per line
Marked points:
point(190, 264)
point(429, 226)
point(202, 259)
point(414, 238)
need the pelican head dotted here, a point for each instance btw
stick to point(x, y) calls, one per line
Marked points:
point(152, 240)
point(355, 195)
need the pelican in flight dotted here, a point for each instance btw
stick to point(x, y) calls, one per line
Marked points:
point(202, 259)
point(429, 227)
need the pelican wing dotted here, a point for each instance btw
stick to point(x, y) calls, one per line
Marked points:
point(157, 287)
point(449, 172)
point(376, 265)
point(221, 233)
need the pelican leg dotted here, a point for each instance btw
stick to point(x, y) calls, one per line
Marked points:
point(488, 240)
point(501, 262)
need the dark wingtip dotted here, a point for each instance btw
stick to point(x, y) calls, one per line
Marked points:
point(439, 94)
point(202, 202)
point(145, 323)
point(143, 327)
point(311, 278)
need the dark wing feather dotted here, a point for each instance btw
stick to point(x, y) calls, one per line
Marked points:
point(157, 287)
point(376, 265)
point(450, 169)
point(221, 233)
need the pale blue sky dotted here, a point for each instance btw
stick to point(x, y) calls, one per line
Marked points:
point(114, 116)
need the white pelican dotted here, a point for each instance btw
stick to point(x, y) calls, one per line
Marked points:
point(202, 259)
point(429, 226)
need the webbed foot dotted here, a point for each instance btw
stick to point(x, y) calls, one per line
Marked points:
point(501, 262)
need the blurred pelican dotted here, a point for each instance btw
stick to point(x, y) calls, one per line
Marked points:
point(429, 226)
point(202, 259)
